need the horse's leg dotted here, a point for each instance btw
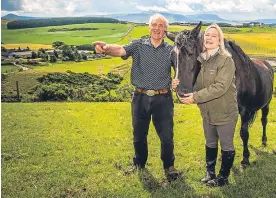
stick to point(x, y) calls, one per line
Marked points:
point(244, 133)
point(265, 111)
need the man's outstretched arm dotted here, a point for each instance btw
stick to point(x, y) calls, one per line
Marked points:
point(109, 49)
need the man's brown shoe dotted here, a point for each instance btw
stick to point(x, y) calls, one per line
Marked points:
point(133, 169)
point(172, 174)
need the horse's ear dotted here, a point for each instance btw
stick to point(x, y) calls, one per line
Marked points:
point(195, 32)
point(171, 36)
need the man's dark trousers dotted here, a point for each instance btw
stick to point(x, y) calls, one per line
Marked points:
point(160, 109)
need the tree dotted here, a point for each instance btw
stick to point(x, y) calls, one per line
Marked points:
point(3, 49)
point(41, 50)
point(67, 52)
point(55, 53)
point(34, 55)
point(57, 44)
point(84, 56)
point(53, 58)
point(77, 55)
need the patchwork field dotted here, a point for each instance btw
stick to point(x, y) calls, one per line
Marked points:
point(261, 41)
point(254, 40)
point(107, 32)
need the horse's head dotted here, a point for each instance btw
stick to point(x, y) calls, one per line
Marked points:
point(187, 46)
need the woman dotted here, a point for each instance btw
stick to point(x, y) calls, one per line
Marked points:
point(216, 96)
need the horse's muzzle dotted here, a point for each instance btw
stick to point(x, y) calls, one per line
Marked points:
point(181, 92)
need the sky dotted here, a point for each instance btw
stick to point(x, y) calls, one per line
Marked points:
point(227, 9)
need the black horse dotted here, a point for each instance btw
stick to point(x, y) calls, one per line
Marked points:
point(254, 79)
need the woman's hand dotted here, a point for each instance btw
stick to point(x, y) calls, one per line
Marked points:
point(175, 82)
point(188, 99)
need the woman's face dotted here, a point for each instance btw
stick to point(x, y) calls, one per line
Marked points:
point(211, 39)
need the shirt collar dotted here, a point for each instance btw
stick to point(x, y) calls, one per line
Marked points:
point(203, 56)
point(148, 42)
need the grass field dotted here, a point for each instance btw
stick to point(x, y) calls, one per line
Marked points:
point(261, 41)
point(82, 149)
point(253, 40)
point(92, 67)
point(108, 32)
point(9, 69)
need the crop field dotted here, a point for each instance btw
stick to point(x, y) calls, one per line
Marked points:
point(262, 43)
point(107, 32)
point(252, 40)
point(32, 46)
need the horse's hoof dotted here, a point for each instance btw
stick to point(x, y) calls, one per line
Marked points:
point(264, 144)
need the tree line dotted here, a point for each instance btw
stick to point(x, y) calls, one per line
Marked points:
point(33, 23)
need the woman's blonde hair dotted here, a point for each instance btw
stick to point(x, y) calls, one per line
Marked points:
point(222, 49)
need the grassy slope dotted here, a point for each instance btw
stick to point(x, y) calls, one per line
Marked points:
point(91, 67)
point(81, 150)
point(107, 32)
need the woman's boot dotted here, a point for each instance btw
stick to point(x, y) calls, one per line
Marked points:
point(227, 160)
point(211, 158)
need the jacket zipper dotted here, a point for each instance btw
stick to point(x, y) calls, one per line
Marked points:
point(208, 114)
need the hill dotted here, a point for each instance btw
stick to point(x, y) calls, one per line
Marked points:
point(17, 17)
point(143, 17)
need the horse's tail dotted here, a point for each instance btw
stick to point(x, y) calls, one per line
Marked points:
point(252, 118)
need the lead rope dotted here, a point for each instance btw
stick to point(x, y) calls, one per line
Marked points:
point(177, 61)
point(177, 68)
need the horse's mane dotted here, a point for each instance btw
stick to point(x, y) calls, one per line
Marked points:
point(246, 61)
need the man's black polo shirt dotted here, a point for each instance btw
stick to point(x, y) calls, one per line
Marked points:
point(151, 67)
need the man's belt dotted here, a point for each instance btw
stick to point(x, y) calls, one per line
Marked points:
point(151, 92)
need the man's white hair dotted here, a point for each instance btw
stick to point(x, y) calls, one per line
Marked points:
point(159, 16)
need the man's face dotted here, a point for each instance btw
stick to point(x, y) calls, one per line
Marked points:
point(157, 29)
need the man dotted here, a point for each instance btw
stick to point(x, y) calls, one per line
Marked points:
point(151, 75)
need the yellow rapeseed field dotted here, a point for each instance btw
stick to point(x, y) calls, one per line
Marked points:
point(260, 43)
point(24, 45)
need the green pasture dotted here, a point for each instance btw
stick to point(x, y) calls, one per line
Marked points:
point(108, 32)
point(254, 40)
point(102, 66)
point(82, 150)
point(9, 69)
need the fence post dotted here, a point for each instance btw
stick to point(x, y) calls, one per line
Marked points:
point(17, 91)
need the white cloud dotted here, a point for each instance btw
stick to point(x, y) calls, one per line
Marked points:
point(56, 7)
point(179, 6)
point(151, 8)
point(226, 6)
point(51, 8)
point(185, 6)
